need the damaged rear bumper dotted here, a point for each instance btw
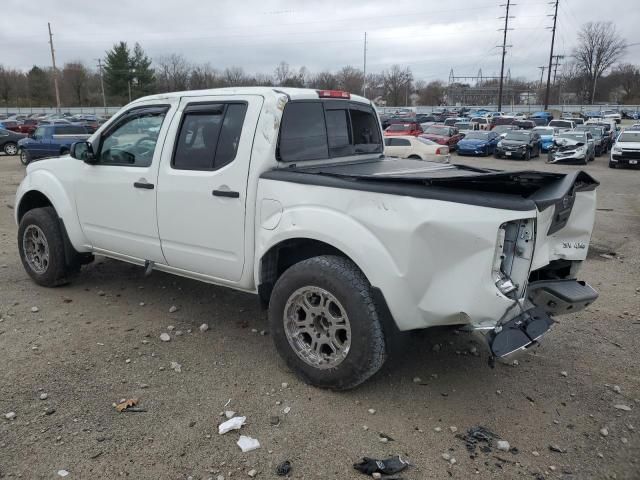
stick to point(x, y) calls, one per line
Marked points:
point(544, 299)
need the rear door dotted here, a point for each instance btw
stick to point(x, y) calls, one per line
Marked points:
point(202, 184)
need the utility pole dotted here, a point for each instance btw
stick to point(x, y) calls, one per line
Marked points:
point(364, 77)
point(55, 70)
point(553, 39)
point(542, 69)
point(104, 98)
point(504, 51)
point(557, 63)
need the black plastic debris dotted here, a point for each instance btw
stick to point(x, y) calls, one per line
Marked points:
point(478, 437)
point(284, 468)
point(389, 466)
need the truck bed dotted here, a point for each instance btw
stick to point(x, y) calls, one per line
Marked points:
point(521, 190)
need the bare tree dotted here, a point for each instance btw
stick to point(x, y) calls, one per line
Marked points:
point(282, 73)
point(599, 47)
point(397, 85)
point(75, 81)
point(627, 77)
point(173, 73)
point(204, 76)
point(431, 93)
point(324, 81)
point(350, 79)
point(235, 77)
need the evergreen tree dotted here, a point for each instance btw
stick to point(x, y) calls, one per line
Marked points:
point(143, 73)
point(40, 87)
point(117, 72)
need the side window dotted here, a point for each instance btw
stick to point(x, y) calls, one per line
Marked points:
point(133, 141)
point(209, 136)
point(402, 142)
point(338, 132)
point(303, 135)
point(387, 142)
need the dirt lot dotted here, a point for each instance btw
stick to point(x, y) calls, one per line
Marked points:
point(97, 340)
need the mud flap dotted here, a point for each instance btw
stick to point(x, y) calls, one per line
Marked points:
point(520, 332)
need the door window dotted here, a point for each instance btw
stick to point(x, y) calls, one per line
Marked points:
point(132, 141)
point(209, 136)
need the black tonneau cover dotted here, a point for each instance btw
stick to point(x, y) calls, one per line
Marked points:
point(521, 190)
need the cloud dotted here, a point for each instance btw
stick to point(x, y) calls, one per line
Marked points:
point(432, 37)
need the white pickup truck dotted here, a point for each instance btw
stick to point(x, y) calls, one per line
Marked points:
point(286, 193)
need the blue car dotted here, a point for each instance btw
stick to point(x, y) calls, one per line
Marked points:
point(546, 137)
point(478, 143)
point(545, 117)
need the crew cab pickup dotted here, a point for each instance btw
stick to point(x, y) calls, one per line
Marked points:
point(287, 194)
point(50, 141)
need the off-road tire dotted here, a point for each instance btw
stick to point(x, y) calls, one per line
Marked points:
point(344, 280)
point(47, 220)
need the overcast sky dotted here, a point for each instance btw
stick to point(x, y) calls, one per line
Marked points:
point(431, 36)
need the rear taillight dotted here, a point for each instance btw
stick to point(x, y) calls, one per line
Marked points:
point(439, 151)
point(333, 94)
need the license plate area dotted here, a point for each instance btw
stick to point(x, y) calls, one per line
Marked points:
point(508, 154)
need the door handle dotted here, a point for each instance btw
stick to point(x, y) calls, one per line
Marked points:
point(226, 193)
point(145, 185)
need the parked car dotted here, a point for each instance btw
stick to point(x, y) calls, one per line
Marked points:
point(423, 118)
point(28, 126)
point(483, 122)
point(89, 122)
point(449, 136)
point(464, 127)
point(408, 146)
point(616, 116)
point(478, 143)
point(396, 129)
point(572, 147)
point(451, 121)
point(626, 150)
point(12, 125)
point(609, 125)
point(599, 137)
point(562, 124)
point(546, 116)
point(502, 120)
point(9, 141)
point(524, 124)
point(249, 188)
point(524, 144)
point(503, 129)
point(546, 137)
point(49, 141)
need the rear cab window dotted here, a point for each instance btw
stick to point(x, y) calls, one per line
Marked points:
point(323, 129)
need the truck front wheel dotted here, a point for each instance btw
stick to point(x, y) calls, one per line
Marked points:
point(41, 247)
point(325, 323)
point(25, 157)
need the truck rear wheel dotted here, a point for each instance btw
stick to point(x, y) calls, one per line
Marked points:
point(325, 323)
point(25, 157)
point(41, 247)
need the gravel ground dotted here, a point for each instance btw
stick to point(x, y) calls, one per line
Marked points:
point(96, 341)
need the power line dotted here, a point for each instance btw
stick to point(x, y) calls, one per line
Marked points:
point(104, 98)
point(553, 39)
point(504, 51)
point(364, 69)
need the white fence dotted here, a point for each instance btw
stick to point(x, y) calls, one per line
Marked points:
point(71, 110)
point(519, 108)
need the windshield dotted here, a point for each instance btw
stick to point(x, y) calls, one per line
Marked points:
point(543, 131)
point(629, 137)
point(477, 136)
point(513, 135)
point(438, 131)
point(426, 141)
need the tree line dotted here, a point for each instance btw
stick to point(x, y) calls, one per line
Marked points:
point(593, 74)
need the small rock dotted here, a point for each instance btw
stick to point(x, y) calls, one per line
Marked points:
point(617, 389)
point(286, 410)
point(165, 337)
point(384, 439)
point(452, 461)
point(285, 385)
point(141, 304)
point(453, 429)
point(51, 411)
point(372, 411)
point(417, 380)
point(229, 413)
point(365, 427)
point(623, 440)
point(62, 473)
point(557, 449)
point(498, 392)
point(437, 429)
point(252, 473)
point(10, 415)
point(564, 374)
point(503, 445)
point(515, 363)
point(43, 396)
point(446, 456)
point(626, 408)
point(377, 475)
point(173, 309)
point(552, 468)
point(535, 454)
point(604, 432)
point(171, 328)
point(178, 333)
point(254, 330)
point(274, 420)
point(436, 347)
point(128, 360)
point(204, 327)
point(176, 367)
point(35, 309)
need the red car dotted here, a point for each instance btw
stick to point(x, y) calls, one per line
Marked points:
point(449, 136)
point(10, 125)
point(28, 126)
point(409, 128)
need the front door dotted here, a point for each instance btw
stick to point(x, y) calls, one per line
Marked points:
point(116, 195)
point(202, 184)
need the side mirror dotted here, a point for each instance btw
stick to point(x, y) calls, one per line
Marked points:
point(83, 151)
